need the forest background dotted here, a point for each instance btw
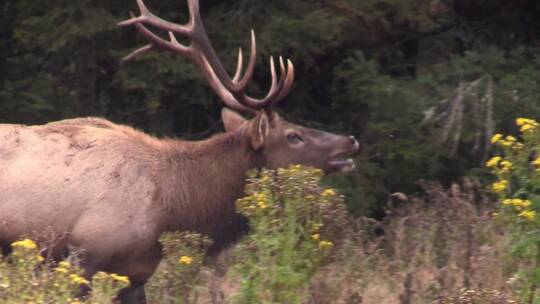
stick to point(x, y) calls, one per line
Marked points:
point(423, 84)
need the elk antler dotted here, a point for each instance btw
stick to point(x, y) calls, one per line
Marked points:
point(201, 52)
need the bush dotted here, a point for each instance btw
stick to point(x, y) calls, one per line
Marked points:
point(296, 224)
point(177, 276)
point(517, 171)
point(26, 277)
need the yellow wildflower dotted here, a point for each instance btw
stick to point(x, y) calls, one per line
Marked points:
point(325, 244)
point(520, 121)
point(78, 279)
point(506, 165)
point(517, 203)
point(499, 186)
point(508, 141)
point(525, 121)
point(75, 302)
point(528, 214)
point(186, 260)
point(39, 258)
point(493, 162)
point(64, 264)
point(317, 226)
point(119, 278)
point(260, 197)
point(316, 237)
point(527, 128)
point(526, 125)
point(328, 192)
point(262, 205)
point(26, 243)
point(510, 138)
point(495, 138)
point(518, 146)
point(61, 270)
point(536, 162)
point(101, 275)
point(294, 168)
point(522, 203)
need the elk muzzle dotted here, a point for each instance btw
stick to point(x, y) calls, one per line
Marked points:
point(342, 161)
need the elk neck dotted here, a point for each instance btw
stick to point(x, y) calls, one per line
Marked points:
point(202, 181)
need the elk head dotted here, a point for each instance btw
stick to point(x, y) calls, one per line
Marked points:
point(276, 141)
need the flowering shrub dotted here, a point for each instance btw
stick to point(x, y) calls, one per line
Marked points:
point(176, 278)
point(26, 277)
point(296, 223)
point(517, 170)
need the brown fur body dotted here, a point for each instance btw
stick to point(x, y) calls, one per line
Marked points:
point(112, 190)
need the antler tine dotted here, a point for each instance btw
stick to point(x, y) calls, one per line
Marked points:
point(275, 89)
point(172, 46)
point(251, 64)
point(225, 95)
point(239, 65)
point(142, 50)
point(199, 35)
point(273, 73)
point(151, 19)
point(289, 80)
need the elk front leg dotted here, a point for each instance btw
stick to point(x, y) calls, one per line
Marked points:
point(141, 269)
point(5, 248)
point(133, 294)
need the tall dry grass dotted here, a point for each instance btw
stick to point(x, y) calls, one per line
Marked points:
point(440, 246)
point(428, 248)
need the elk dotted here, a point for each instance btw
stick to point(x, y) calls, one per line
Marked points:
point(112, 190)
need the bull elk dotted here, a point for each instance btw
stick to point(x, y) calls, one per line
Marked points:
point(112, 190)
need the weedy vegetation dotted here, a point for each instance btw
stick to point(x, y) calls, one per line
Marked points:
point(177, 278)
point(517, 184)
point(296, 225)
point(26, 277)
point(452, 245)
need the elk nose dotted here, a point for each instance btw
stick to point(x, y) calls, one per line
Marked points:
point(354, 142)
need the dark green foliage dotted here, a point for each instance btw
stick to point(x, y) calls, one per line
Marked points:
point(369, 68)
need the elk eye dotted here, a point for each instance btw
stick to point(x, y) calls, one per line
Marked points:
point(294, 138)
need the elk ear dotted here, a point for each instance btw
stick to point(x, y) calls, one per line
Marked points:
point(259, 130)
point(231, 119)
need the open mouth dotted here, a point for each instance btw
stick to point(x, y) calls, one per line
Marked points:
point(342, 164)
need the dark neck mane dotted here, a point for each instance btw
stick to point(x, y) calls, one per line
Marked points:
point(201, 182)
